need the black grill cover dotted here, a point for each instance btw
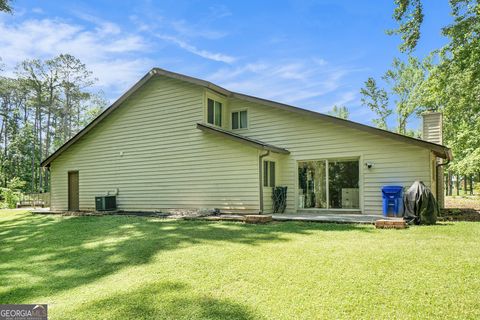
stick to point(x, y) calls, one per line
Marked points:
point(420, 204)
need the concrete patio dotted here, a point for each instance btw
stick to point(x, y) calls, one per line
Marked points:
point(332, 217)
point(325, 217)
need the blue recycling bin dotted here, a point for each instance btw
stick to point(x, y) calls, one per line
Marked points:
point(392, 199)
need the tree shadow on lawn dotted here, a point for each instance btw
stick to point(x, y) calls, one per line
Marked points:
point(161, 300)
point(44, 255)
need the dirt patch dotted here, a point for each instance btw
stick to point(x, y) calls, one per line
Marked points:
point(461, 209)
point(459, 214)
point(462, 203)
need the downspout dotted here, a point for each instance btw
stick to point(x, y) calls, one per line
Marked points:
point(50, 186)
point(436, 173)
point(260, 177)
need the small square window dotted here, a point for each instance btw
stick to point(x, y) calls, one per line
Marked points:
point(243, 119)
point(272, 174)
point(235, 122)
point(239, 120)
point(210, 112)
point(214, 112)
point(269, 174)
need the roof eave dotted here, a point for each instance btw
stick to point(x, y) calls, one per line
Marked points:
point(242, 139)
point(100, 117)
point(448, 154)
point(439, 150)
point(192, 80)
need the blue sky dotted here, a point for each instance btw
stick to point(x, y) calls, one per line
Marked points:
point(312, 54)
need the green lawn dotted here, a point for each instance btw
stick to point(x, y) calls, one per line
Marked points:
point(116, 267)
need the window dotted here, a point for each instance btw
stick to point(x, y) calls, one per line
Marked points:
point(239, 119)
point(214, 112)
point(269, 174)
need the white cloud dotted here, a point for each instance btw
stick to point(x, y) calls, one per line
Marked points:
point(310, 83)
point(299, 81)
point(111, 54)
point(119, 58)
point(102, 26)
point(181, 33)
point(220, 57)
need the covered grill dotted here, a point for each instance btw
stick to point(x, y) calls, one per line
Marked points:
point(420, 204)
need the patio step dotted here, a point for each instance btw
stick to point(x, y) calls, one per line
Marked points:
point(258, 218)
point(221, 217)
point(390, 224)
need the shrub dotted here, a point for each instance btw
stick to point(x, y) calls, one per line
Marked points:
point(11, 195)
point(10, 198)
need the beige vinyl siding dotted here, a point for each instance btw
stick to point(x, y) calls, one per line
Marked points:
point(150, 149)
point(395, 162)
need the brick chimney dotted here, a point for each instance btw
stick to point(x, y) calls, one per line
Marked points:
point(433, 127)
point(433, 132)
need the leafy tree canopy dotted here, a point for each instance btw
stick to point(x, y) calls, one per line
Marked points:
point(5, 6)
point(409, 15)
point(376, 99)
point(447, 80)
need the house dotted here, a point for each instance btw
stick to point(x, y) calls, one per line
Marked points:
point(177, 142)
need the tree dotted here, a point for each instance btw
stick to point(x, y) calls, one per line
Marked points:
point(405, 79)
point(339, 112)
point(97, 104)
point(376, 99)
point(43, 106)
point(409, 15)
point(452, 83)
point(75, 78)
point(5, 6)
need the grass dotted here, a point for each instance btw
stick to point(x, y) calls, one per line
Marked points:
point(114, 267)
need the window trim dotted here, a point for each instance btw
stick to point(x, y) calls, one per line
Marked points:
point(267, 173)
point(214, 97)
point(238, 111)
point(347, 157)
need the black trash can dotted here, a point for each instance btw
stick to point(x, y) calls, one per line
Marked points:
point(279, 197)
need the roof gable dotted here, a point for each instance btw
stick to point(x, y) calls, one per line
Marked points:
point(439, 150)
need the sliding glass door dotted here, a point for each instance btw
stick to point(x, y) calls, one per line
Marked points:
point(312, 178)
point(329, 184)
